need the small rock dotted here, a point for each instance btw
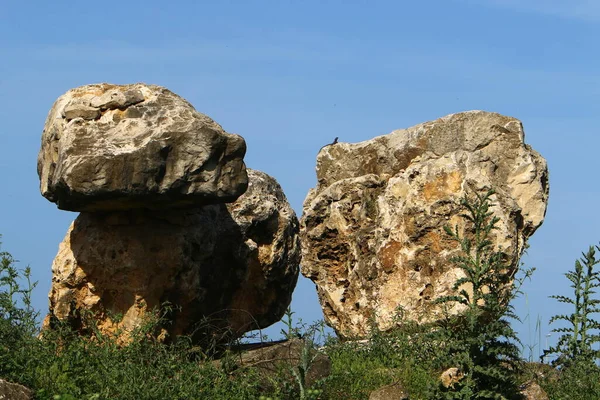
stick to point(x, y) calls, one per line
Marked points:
point(14, 391)
point(450, 377)
point(114, 99)
point(394, 391)
point(78, 110)
point(532, 391)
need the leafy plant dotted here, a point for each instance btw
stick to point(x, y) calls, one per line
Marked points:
point(576, 341)
point(17, 316)
point(291, 331)
point(480, 342)
point(531, 345)
point(307, 357)
point(580, 381)
point(308, 353)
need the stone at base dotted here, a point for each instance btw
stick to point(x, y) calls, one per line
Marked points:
point(224, 269)
point(14, 391)
point(533, 391)
point(394, 391)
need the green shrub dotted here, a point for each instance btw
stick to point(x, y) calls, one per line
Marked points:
point(480, 342)
point(101, 368)
point(17, 318)
point(355, 372)
point(403, 354)
point(579, 375)
point(576, 341)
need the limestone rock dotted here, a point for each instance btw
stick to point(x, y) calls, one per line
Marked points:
point(82, 111)
point(532, 391)
point(372, 230)
point(14, 391)
point(451, 377)
point(226, 269)
point(108, 147)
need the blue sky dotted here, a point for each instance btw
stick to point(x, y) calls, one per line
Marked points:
point(289, 76)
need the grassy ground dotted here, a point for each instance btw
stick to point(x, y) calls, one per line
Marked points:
point(480, 343)
point(63, 365)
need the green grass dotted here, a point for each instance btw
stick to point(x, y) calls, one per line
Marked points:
point(61, 365)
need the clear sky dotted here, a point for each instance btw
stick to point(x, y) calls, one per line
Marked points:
point(289, 76)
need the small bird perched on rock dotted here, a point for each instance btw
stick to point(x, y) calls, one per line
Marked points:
point(330, 144)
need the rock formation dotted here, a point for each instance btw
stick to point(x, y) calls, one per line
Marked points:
point(107, 147)
point(228, 268)
point(372, 229)
point(148, 233)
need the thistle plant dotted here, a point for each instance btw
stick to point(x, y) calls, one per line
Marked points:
point(481, 341)
point(575, 343)
point(308, 354)
point(17, 316)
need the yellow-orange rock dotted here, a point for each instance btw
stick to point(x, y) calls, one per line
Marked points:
point(372, 229)
point(225, 269)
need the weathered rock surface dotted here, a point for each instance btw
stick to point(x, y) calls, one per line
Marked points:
point(228, 267)
point(108, 147)
point(451, 377)
point(372, 230)
point(14, 391)
point(532, 391)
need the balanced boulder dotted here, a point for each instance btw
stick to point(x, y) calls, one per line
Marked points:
point(372, 229)
point(107, 147)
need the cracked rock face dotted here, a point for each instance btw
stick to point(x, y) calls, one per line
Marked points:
point(227, 269)
point(372, 230)
point(108, 147)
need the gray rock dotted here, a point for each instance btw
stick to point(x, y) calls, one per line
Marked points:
point(117, 98)
point(451, 377)
point(107, 147)
point(532, 391)
point(372, 229)
point(394, 391)
point(226, 269)
point(79, 110)
point(14, 391)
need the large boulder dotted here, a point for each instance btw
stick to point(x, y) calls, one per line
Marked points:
point(107, 147)
point(225, 269)
point(372, 229)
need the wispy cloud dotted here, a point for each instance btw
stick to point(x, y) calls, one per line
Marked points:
point(588, 10)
